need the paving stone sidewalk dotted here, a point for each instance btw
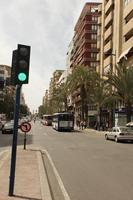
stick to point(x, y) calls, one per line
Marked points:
point(27, 180)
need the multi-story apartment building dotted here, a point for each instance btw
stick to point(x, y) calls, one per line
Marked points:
point(85, 37)
point(115, 34)
point(54, 82)
point(85, 49)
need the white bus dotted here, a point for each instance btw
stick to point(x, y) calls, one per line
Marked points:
point(63, 121)
point(47, 120)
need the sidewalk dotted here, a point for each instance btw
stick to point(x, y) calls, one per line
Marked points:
point(30, 179)
point(91, 131)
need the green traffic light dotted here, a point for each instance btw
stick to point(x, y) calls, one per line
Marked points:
point(22, 76)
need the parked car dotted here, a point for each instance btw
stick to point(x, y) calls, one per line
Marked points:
point(130, 124)
point(8, 127)
point(121, 133)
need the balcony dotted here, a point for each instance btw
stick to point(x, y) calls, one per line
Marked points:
point(107, 61)
point(128, 9)
point(108, 46)
point(128, 44)
point(128, 27)
point(108, 19)
point(108, 32)
point(109, 4)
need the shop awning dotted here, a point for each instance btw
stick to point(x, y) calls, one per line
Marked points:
point(124, 54)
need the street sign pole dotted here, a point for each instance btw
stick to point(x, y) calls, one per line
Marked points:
point(14, 143)
point(24, 140)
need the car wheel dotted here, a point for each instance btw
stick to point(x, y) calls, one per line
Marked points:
point(3, 132)
point(116, 139)
point(106, 137)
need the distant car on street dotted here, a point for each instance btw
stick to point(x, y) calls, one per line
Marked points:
point(8, 127)
point(121, 133)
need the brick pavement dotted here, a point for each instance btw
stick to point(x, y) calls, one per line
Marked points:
point(27, 181)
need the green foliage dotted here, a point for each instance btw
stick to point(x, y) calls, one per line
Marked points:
point(24, 110)
point(122, 81)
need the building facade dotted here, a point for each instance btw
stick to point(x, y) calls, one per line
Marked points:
point(85, 51)
point(115, 34)
point(115, 39)
point(85, 37)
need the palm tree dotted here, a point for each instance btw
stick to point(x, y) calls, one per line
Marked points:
point(78, 80)
point(100, 93)
point(122, 81)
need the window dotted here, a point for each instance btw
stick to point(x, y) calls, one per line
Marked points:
point(93, 36)
point(94, 9)
point(94, 27)
point(94, 18)
point(93, 55)
point(94, 45)
point(93, 64)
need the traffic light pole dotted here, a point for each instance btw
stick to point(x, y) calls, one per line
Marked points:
point(14, 143)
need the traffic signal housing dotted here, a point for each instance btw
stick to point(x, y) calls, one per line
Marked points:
point(20, 65)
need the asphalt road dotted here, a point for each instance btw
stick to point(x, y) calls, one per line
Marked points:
point(6, 140)
point(90, 167)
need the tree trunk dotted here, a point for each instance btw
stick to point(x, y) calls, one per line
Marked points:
point(83, 96)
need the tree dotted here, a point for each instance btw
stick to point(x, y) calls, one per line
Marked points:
point(79, 80)
point(24, 110)
point(122, 81)
point(100, 93)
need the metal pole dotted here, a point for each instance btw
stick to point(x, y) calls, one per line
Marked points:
point(14, 142)
point(25, 140)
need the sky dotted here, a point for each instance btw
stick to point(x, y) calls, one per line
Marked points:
point(48, 27)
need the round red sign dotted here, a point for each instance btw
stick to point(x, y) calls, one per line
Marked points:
point(25, 127)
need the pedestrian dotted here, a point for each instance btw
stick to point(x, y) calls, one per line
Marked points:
point(78, 123)
point(82, 124)
point(85, 125)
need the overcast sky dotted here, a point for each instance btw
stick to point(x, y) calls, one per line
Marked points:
point(48, 27)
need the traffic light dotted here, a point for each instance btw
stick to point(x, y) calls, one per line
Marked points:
point(20, 65)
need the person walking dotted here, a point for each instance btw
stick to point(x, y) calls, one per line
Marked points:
point(82, 124)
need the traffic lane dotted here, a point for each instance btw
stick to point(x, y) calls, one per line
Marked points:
point(6, 139)
point(91, 167)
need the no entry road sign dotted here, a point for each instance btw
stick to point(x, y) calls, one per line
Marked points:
point(25, 127)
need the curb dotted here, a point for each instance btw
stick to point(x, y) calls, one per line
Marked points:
point(45, 190)
point(57, 188)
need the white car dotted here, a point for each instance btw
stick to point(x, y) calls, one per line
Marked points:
point(8, 127)
point(121, 133)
